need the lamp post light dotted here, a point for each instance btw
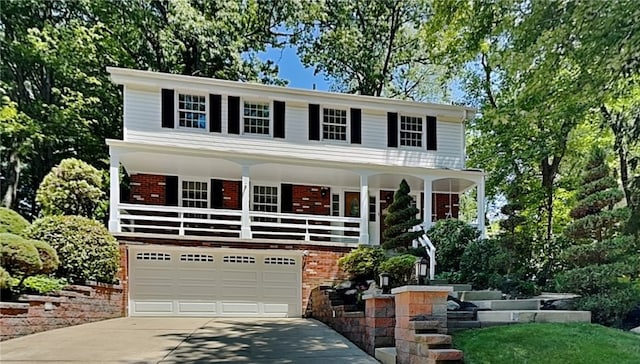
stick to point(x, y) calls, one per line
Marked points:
point(422, 266)
point(384, 283)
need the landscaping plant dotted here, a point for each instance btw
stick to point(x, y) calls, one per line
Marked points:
point(12, 222)
point(400, 267)
point(400, 220)
point(362, 263)
point(86, 249)
point(451, 237)
point(21, 258)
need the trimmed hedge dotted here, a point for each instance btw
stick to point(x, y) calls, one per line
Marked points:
point(19, 256)
point(87, 251)
point(12, 222)
point(48, 256)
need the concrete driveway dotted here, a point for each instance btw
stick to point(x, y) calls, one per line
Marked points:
point(187, 340)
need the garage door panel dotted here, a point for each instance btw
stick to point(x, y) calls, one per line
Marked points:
point(197, 307)
point(154, 307)
point(211, 282)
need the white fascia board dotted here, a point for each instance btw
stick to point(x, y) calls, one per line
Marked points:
point(124, 147)
point(158, 80)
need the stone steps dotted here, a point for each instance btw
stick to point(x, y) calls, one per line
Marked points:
point(386, 355)
point(478, 295)
point(503, 305)
point(526, 316)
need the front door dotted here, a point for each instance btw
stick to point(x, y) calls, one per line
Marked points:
point(352, 204)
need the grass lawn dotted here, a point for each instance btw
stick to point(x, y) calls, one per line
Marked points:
point(548, 344)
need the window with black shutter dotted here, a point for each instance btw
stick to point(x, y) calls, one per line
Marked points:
point(432, 141)
point(168, 105)
point(392, 129)
point(356, 126)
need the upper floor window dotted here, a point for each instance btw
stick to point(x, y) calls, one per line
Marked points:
point(256, 117)
point(192, 111)
point(410, 131)
point(334, 124)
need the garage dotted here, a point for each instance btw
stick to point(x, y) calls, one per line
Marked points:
point(177, 281)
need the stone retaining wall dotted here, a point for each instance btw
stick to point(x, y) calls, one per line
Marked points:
point(74, 305)
point(373, 328)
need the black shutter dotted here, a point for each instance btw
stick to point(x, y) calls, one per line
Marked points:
point(278, 119)
point(168, 104)
point(392, 129)
point(356, 126)
point(286, 202)
point(217, 197)
point(171, 190)
point(234, 115)
point(432, 141)
point(240, 195)
point(215, 113)
point(314, 122)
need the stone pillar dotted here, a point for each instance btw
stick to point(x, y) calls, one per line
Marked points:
point(245, 230)
point(364, 209)
point(114, 191)
point(421, 324)
point(380, 313)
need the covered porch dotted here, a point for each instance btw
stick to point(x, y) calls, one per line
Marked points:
point(199, 194)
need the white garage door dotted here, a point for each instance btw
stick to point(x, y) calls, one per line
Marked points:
point(168, 281)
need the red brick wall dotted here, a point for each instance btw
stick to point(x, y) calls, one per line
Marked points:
point(320, 266)
point(147, 189)
point(309, 200)
point(123, 276)
point(74, 305)
point(231, 191)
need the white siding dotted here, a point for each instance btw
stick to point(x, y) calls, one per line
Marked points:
point(142, 114)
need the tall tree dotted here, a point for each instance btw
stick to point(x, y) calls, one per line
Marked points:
point(369, 47)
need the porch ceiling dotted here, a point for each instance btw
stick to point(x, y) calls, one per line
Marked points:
point(456, 185)
point(171, 164)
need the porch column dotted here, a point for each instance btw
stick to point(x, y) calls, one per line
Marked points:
point(426, 204)
point(245, 230)
point(114, 191)
point(364, 209)
point(480, 203)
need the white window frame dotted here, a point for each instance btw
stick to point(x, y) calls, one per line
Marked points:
point(177, 110)
point(347, 126)
point(194, 179)
point(257, 101)
point(273, 185)
point(422, 132)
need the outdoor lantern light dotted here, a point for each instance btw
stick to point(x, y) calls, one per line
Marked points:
point(384, 282)
point(422, 266)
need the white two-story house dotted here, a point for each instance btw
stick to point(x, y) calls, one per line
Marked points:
point(243, 196)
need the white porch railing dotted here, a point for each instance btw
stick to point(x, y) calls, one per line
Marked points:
point(424, 241)
point(182, 221)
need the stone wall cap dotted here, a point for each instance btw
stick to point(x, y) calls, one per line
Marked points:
point(14, 305)
point(378, 296)
point(422, 289)
point(38, 298)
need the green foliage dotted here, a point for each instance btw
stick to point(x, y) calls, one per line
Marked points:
point(71, 188)
point(548, 343)
point(400, 267)
point(87, 251)
point(451, 237)
point(42, 284)
point(12, 222)
point(5, 279)
point(363, 262)
point(611, 307)
point(19, 256)
point(400, 220)
point(48, 256)
point(482, 262)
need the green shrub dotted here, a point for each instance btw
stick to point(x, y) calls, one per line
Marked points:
point(87, 251)
point(42, 284)
point(12, 222)
point(19, 256)
point(400, 268)
point(71, 188)
point(609, 308)
point(5, 279)
point(363, 262)
point(48, 256)
point(451, 237)
point(482, 262)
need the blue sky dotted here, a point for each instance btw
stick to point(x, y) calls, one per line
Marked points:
point(293, 71)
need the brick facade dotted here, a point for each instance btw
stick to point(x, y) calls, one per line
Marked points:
point(148, 189)
point(311, 200)
point(74, 305)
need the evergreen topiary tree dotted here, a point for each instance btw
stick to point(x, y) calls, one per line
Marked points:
point(400, 220)
point(602, 262)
